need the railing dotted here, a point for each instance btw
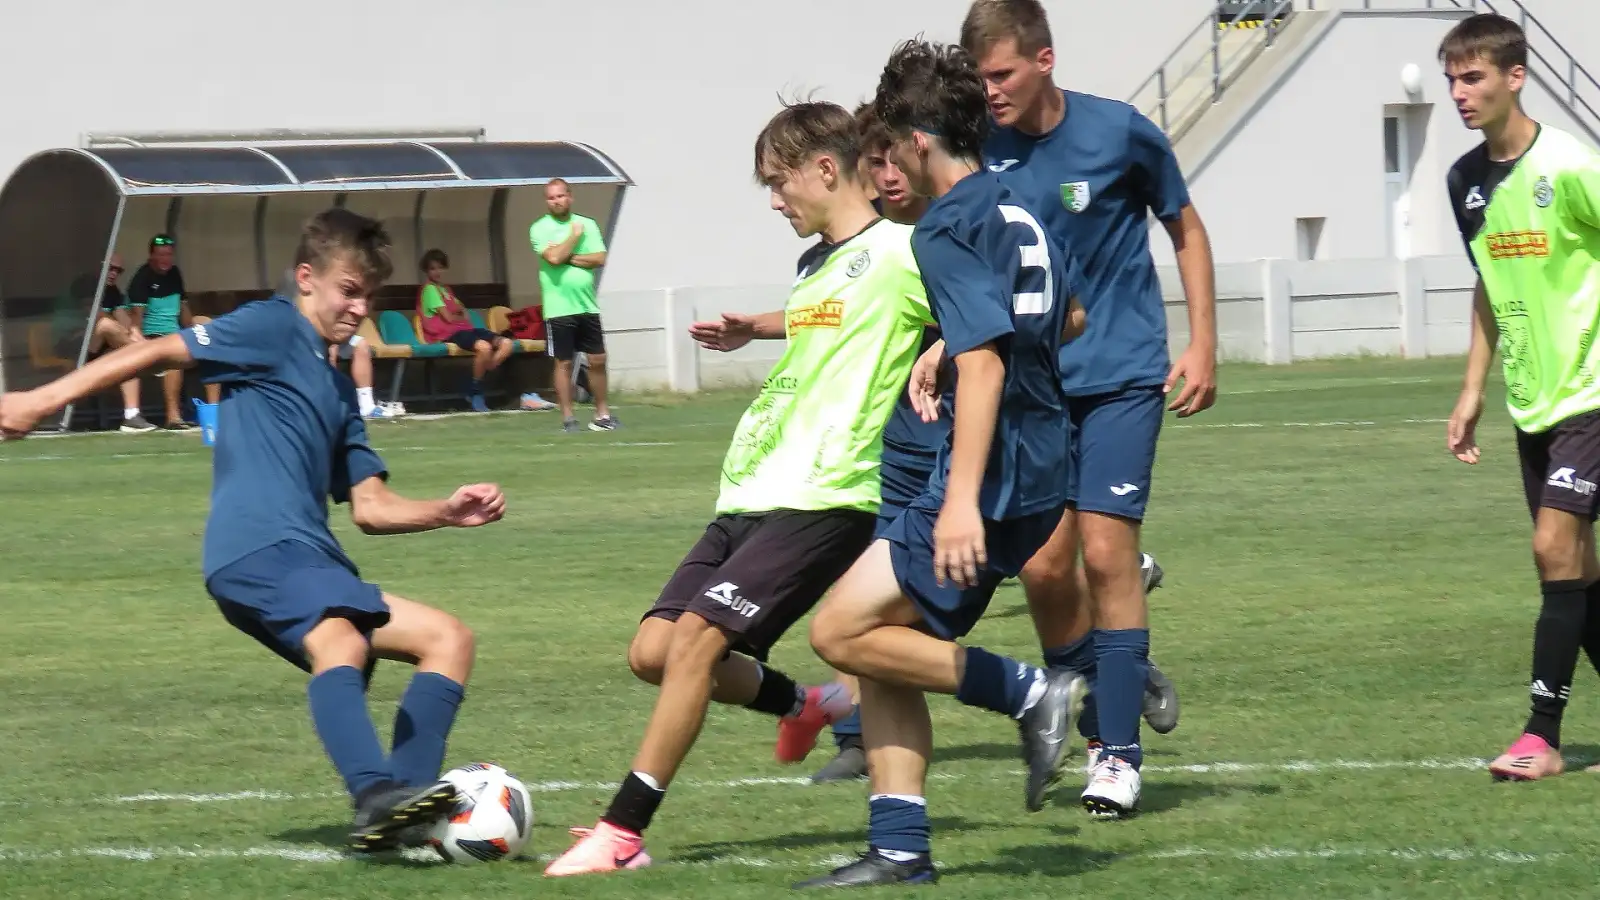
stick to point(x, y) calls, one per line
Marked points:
point(1168, 106)
point(1165, 98)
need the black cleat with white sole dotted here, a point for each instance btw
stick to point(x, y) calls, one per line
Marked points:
point(1046, 731)
point(385, 811)
point(873, 868)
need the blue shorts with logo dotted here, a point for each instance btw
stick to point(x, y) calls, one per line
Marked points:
point(950, 610)
point(905, 477)
point(1114, 449)
point(279, 593)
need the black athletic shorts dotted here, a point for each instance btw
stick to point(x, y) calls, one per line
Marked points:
point(1561, 467)
point(756, 575)
point(571, 335)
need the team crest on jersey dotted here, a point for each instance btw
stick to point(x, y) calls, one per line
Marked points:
point(1075, 196)
point(859, 264)
point(1543, 193)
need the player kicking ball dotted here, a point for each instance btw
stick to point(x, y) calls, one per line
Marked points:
point(1004, 298)
point(800, 482)
point(290, 436)
point(1527, 201)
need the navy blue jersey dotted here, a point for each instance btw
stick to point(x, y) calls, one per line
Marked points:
point(993, 274)
point(289, 432)
point(905, 431)
point(1095, 179)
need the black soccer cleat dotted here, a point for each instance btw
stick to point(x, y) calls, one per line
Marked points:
point(875, 869)
point(849, 765)
point(1045, 731)
point(385, 811)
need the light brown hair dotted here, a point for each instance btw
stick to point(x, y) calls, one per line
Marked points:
point(802, 131)
point(339, 234)
point(875, 137)
point(989, 22)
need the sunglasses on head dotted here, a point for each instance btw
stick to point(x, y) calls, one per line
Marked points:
point(162, 242)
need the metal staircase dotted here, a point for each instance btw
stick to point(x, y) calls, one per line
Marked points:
point(1219, 50)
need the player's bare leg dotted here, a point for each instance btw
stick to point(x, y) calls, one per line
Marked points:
point(1563, 554)
point(563, 380)
point(1116, 588)
point(735, 682)
point(865, 628)
point(597, 387)
point(898, 735)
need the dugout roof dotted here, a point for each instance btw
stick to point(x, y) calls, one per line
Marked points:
point(236, 209)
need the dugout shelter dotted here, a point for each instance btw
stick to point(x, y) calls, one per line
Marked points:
point(235, 204)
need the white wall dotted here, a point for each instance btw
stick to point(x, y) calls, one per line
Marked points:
point(1273, 311)
point(674, 91)
point(1315, 146)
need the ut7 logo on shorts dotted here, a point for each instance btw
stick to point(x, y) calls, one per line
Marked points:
point(727, 593)
point(1568, 479)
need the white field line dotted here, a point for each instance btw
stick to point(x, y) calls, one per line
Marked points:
point(305, 854)
point(1297, 767)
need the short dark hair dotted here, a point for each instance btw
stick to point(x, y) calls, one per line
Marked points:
point(874, 137)
point(1492, 38)
point(339, 233)
point(989, 22)
point(934, 88)
point(162, 240)
point(435, 256)
point(807, 129)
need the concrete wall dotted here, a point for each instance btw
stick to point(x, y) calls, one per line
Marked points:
point(1315, 147)
point(1273, 311)
point(674, 91)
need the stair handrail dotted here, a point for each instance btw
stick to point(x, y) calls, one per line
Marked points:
point(1215, 22)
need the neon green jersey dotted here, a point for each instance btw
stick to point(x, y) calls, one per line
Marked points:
point(566, 290)
point(813, 436)
point(1537, 249)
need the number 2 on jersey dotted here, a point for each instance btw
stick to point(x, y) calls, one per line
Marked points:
point(1034, 256)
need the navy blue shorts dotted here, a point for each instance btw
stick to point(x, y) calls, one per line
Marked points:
point(905, 477)
point(1114, 450)
point(279, 593)
point(951, 611)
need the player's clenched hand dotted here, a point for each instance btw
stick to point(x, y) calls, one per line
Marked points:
point(1461, 435)
point(958, 546)
point(923, 388)
point(1198, 369)
point(475, 504)
point(19, 414)
point(733, 331)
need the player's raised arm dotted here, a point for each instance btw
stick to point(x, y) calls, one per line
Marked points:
point(21, 411)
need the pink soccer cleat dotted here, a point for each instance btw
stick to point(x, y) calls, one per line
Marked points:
point(797, 734)
point(1529, 759)
point(603, 848)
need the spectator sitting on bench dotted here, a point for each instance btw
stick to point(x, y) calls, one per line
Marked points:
point(445, 320)
point(112, 328)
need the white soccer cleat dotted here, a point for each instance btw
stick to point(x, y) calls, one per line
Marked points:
point(1113, 791)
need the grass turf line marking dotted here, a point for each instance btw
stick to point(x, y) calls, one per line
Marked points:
point(1297, 767)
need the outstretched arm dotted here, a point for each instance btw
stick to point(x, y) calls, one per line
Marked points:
point(377, 509)
point(21, 411)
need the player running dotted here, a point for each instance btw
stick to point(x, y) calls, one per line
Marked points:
point(290, 436)
point(1095, 170)
point(910, 453)
point(800, 482)
point(1003, 295)
point(1527, 201)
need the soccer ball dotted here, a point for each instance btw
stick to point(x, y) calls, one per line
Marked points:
point(492, 821)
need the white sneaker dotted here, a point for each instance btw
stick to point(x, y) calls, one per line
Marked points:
point(1113, 790)
point(379, 412)
point(395, 408)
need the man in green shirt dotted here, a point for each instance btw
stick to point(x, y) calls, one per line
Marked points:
point(1527, 201)
point(800, 482)
point(570, 248)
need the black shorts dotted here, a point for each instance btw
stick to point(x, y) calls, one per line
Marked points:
point(571, 335)
point(1561, 467)
point(466, 340)
point(754, 576)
